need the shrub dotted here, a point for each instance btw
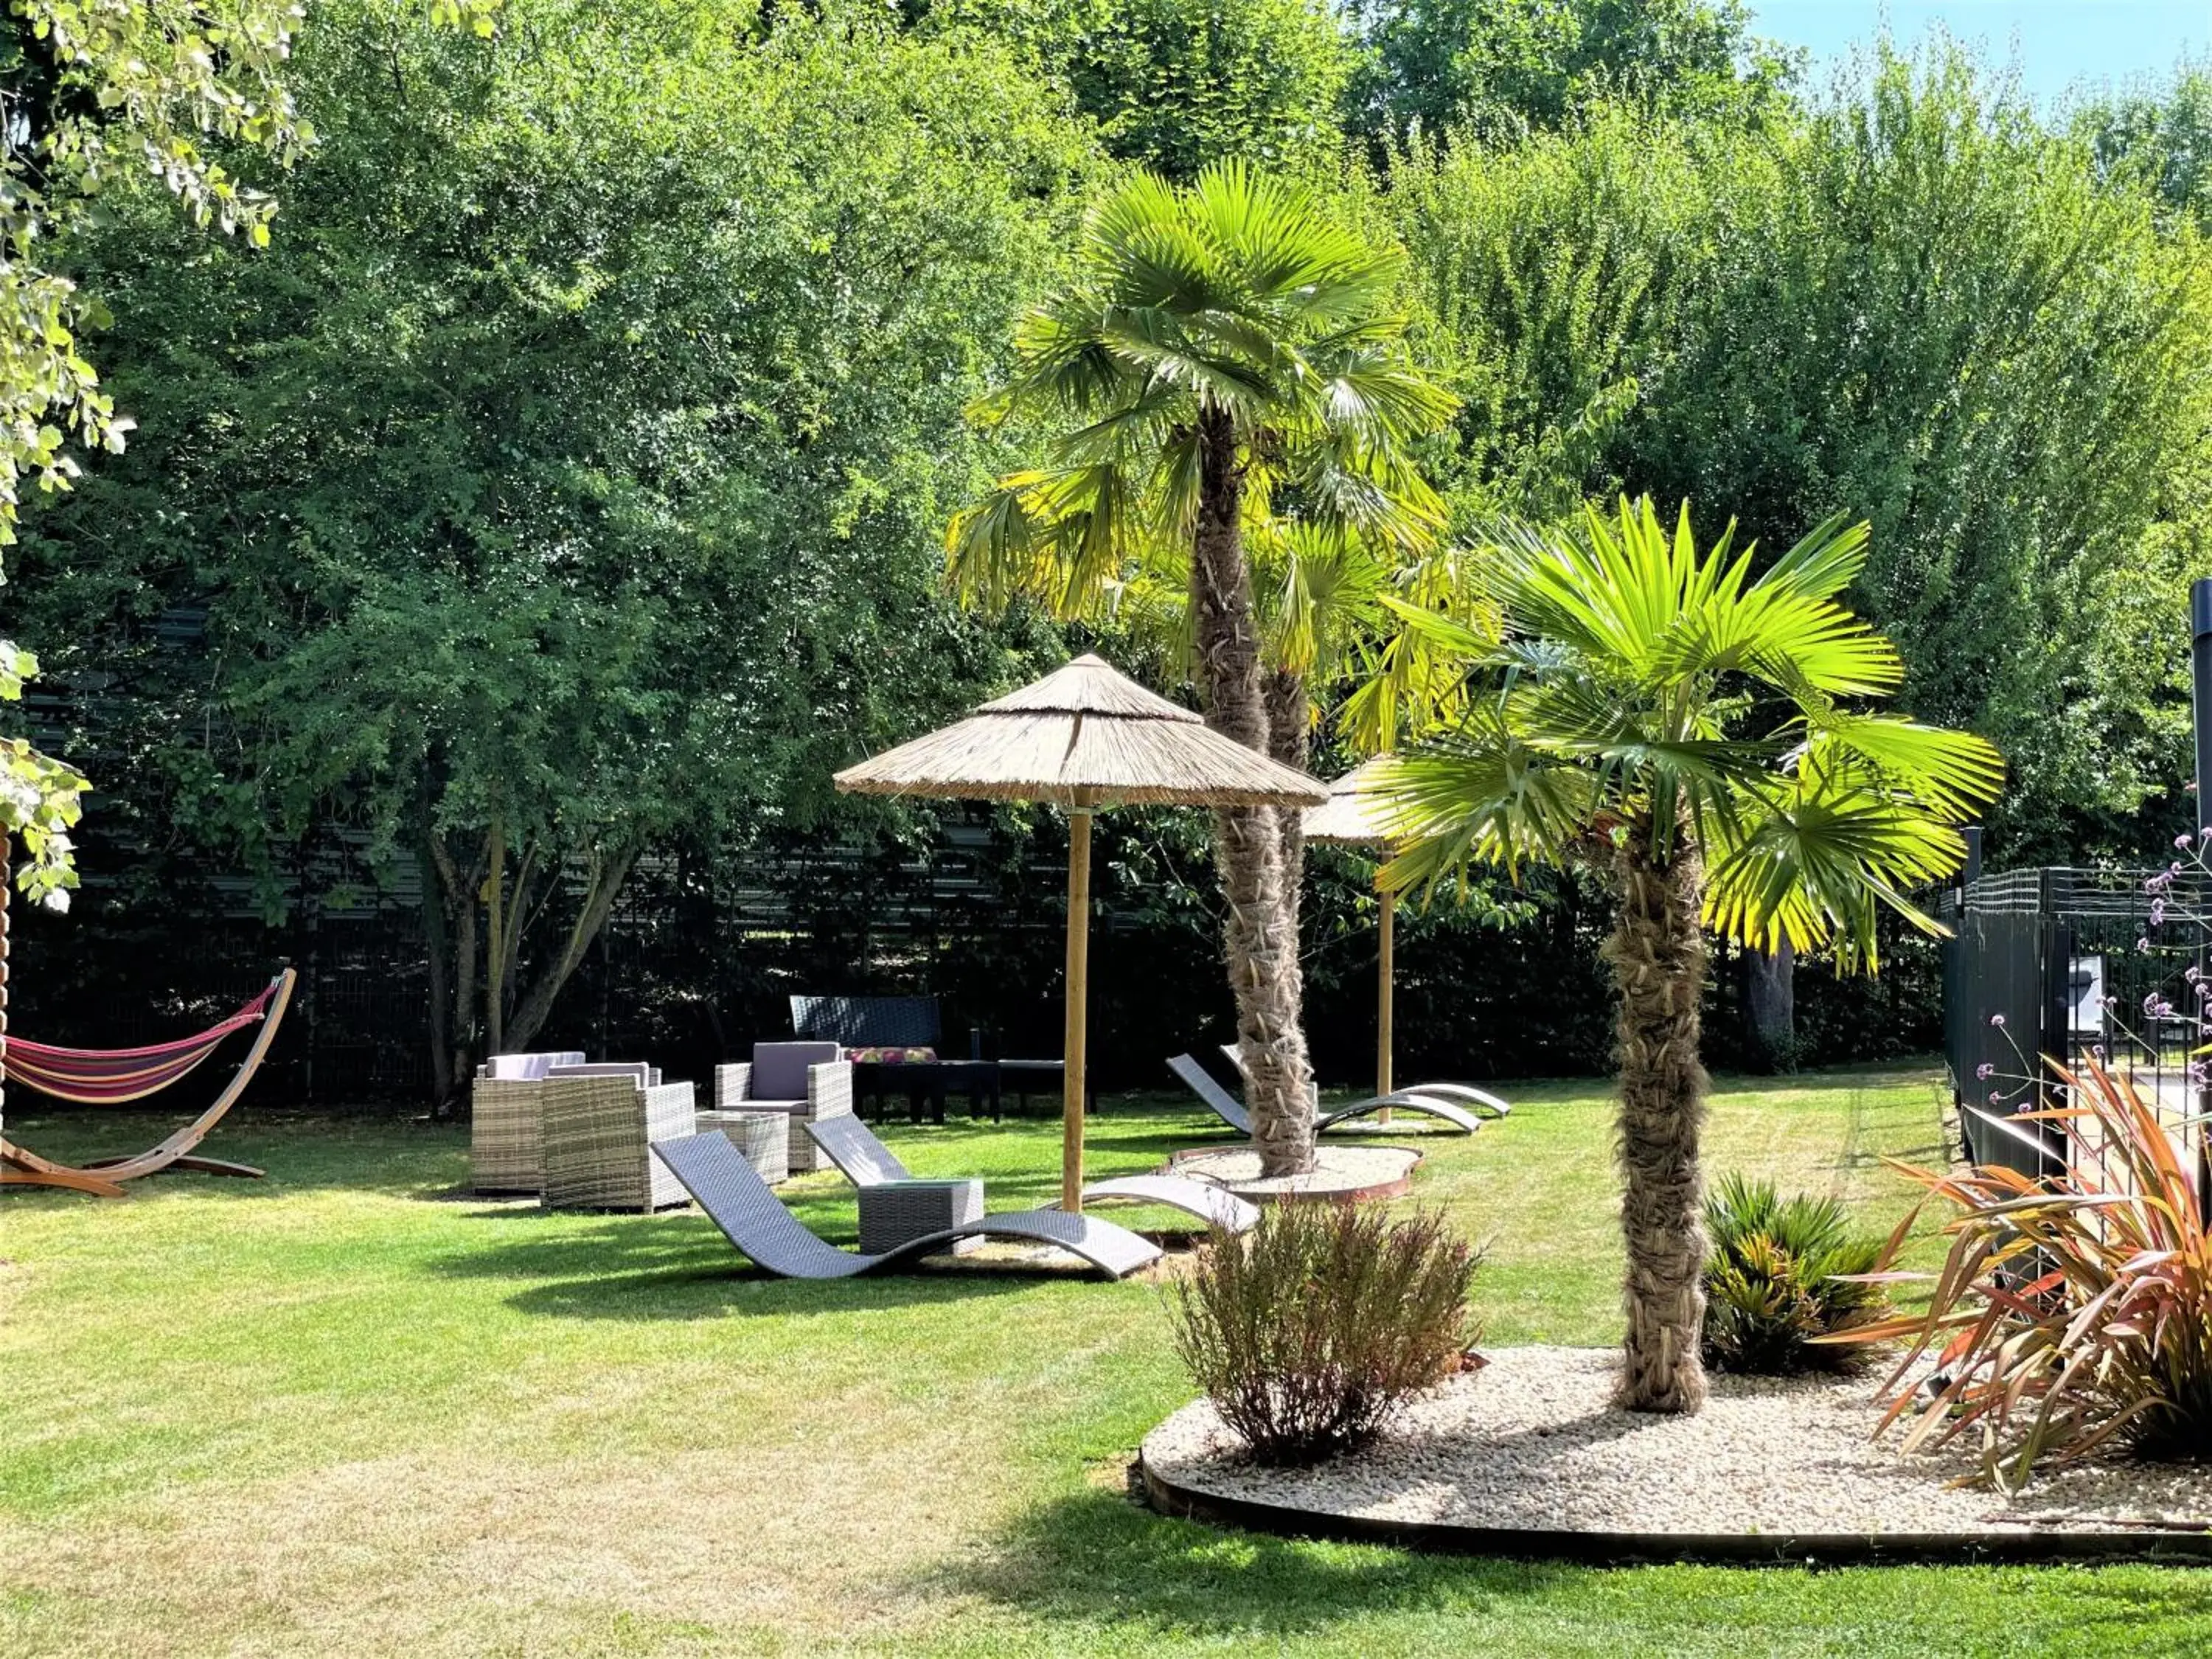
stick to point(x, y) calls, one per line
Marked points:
point(2074, 1309)
point(1309, 1330)
point(1771, 1284)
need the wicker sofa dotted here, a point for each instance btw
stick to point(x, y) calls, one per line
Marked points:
point(869, 1023)
point(802, 1081)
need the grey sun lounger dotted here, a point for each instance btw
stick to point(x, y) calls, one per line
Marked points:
point(866, 1162)
point(751, 1216)
point(1481, 1102)
point(1231, 1111)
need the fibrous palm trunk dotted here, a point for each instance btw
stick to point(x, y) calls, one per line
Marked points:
point(1289, 726)
point(1658, 955)
point(1260, 930)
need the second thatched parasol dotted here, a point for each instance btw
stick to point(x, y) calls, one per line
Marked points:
point(1082, 737)
point(1354, 816)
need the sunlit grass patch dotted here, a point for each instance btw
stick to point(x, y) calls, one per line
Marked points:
point(353, 1408)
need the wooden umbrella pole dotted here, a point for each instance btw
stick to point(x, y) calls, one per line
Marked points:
point(1386, 976)
point(1079, 995)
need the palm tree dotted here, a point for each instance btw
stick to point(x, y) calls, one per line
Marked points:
point(1318, 602)
point(1318, 590)
point(1224, 355)
point(1698, 731)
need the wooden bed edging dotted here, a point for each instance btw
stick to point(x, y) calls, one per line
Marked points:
point(2045, 1547)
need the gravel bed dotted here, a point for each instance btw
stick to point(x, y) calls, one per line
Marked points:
point(1528, 1442)
point(1338, 1171)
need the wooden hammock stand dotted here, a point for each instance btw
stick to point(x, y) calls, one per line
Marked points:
point(109, 1077)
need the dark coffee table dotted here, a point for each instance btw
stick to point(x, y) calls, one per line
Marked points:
point(926, 1083)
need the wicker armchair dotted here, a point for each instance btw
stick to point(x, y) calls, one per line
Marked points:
point(505, 1121)
point(803, 1081)
point(598, 1136)
point(507, 1135)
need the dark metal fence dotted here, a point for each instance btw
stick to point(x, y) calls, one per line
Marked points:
point(706, 946)
point(2071, 964)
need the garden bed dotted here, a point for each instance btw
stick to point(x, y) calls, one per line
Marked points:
point(1526, 1457)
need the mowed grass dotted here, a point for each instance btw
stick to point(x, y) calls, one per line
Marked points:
point(352, 1409)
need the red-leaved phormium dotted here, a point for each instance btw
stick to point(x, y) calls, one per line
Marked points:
point(2074, 1309)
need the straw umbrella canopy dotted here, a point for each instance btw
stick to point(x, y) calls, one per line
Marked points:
point(1082, 737)
point(1354, 816)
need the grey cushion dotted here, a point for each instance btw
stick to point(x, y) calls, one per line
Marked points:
point(780, 1068)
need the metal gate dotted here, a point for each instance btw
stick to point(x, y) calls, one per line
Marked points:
point(2006, 980)
point(2073, 965)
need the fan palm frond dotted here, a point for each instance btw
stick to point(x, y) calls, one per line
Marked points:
point(1630, 656)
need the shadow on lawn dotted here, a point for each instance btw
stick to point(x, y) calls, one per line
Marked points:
point(1101, 1558)
point(679, 1267)
point(299, 1151)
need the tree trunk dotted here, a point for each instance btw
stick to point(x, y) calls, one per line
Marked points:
point(7, 881)
point(1260, 930)
point(457, 892)
point(444, 1086)
point(1771, 1003)
point(1658, 955)
point(495, 941)
point(1290, 731)
point(608, 873)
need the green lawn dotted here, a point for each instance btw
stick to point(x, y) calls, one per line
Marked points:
point(353, 1409)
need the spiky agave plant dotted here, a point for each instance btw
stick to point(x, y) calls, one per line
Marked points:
point(1782, 1272)
point(2074, 1309)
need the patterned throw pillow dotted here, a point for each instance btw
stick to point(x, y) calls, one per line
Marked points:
point(891, 1056)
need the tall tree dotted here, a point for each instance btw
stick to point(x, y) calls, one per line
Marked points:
point(103, 101)
point(1690, 728)
point(1504, 68)
point(568, 479)
point(1915, 304)
point(1224, 355)
point(1176, 83)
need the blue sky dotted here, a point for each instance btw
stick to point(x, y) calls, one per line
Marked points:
point(2055, 44)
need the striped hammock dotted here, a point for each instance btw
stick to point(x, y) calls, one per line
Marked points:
point(109, 1077)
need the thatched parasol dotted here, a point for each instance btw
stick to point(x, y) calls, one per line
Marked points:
point(1353, 817)
point(1082, 737)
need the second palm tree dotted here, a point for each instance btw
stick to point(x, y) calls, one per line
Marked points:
point(1224, 354)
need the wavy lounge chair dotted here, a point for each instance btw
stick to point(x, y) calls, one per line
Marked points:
point(108, 1077)
point(753, 1218)
point(1481, 1102)
point(1231, 1112)
point(866, 1162)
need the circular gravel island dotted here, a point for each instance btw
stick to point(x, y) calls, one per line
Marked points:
point(1525, 1457)
point(1338, 1171)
